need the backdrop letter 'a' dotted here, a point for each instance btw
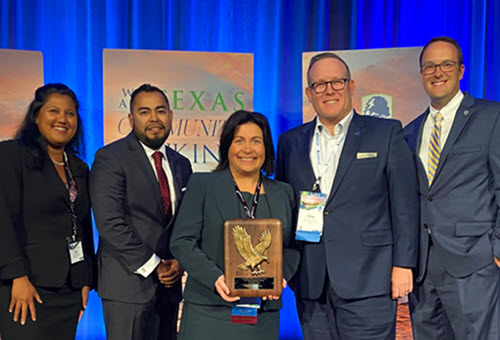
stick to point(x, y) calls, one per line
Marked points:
point(203, 89)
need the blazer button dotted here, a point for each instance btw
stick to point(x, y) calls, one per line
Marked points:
point(326, 212)
point(429, 199)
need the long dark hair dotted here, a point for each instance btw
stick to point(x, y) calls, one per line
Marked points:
point(28, 133)
point(227, 134)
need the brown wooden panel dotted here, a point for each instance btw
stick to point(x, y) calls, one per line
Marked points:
point(253, 254)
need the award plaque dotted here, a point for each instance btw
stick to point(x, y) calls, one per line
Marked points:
point(253, 254)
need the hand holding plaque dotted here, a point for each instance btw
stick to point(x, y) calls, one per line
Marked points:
point(253, 257)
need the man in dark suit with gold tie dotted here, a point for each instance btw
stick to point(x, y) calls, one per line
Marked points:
point(136, 184)
point(456, 143)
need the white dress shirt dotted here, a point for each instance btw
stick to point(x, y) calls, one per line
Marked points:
point(325, 151)
point(147, 268)
point(448, 111)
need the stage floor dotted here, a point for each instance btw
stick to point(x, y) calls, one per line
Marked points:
point(403, 326)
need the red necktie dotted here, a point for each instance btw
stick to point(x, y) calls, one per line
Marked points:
point(164, 188)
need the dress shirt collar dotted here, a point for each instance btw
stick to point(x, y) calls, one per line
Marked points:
point(449, 110)
point(339, 129)
point(150, 152)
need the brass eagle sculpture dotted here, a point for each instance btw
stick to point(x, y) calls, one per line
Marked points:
point(253, 256)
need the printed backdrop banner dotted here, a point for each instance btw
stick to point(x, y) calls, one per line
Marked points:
point(21, 73)
point(387, 83)
point(203, 89)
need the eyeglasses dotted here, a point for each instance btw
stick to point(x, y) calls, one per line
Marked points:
point(337, 85)
point(445, 66)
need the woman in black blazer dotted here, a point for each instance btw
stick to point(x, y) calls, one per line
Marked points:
point(47, 254)
point(246, 151)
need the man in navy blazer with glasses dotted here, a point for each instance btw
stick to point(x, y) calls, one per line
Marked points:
point(365, 245)
point(456, 143)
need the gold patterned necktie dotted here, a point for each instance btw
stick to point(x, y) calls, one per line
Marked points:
point(434, 147)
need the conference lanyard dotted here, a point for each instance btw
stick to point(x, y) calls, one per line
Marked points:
point(246, 308)
point(75, 247)
point(72, 197)
point(255, 199)
point(322, 168)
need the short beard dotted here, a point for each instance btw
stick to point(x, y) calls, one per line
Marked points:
point(155, 143)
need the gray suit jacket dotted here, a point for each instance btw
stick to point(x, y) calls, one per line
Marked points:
point(129, 215)
point(460, 210)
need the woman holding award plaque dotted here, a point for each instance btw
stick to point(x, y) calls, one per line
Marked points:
point(236, 189)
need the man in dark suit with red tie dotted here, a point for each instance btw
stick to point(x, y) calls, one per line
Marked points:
point(136, 184)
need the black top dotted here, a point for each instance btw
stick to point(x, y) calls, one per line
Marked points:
point(35, 221)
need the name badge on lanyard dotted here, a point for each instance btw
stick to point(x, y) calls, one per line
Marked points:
point(312, 203)
point(75, 251)
point(75, 247)
point(310, 220)
point(245, 311)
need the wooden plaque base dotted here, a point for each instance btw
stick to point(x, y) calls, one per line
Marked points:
point(253, 254)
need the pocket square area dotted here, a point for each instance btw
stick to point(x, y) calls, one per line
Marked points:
point(364, 155)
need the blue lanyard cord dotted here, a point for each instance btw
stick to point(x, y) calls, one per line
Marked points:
point(322, 170)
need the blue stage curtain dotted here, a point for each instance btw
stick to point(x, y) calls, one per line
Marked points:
point(72, 34)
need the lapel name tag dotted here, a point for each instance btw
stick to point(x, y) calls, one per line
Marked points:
point(364, 155)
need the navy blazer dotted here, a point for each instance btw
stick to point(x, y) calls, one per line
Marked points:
point(35, 221)
point(198, 236)
point(130, 218)
point(371, 214)
point(460, 210)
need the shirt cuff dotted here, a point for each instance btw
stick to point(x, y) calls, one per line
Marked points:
point(147, 268)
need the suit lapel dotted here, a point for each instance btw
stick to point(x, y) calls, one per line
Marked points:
point(228, 204)
point(53, 177)
point(171, 157)
point(461, 118)
point(273, 199)
point(78, 172)
point(303, 150)
point(225, 195)
point(418, 135)
point(142, 161)
point(421, 168)
point(353, 139)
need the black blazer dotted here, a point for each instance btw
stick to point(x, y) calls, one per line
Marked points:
point(198, 235)
point(35, 221)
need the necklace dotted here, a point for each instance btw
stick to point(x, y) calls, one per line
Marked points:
point(59, 163)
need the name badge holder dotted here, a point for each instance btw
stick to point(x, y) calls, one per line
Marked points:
point(245, 311)
point(312, 203)
point(310, 220)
